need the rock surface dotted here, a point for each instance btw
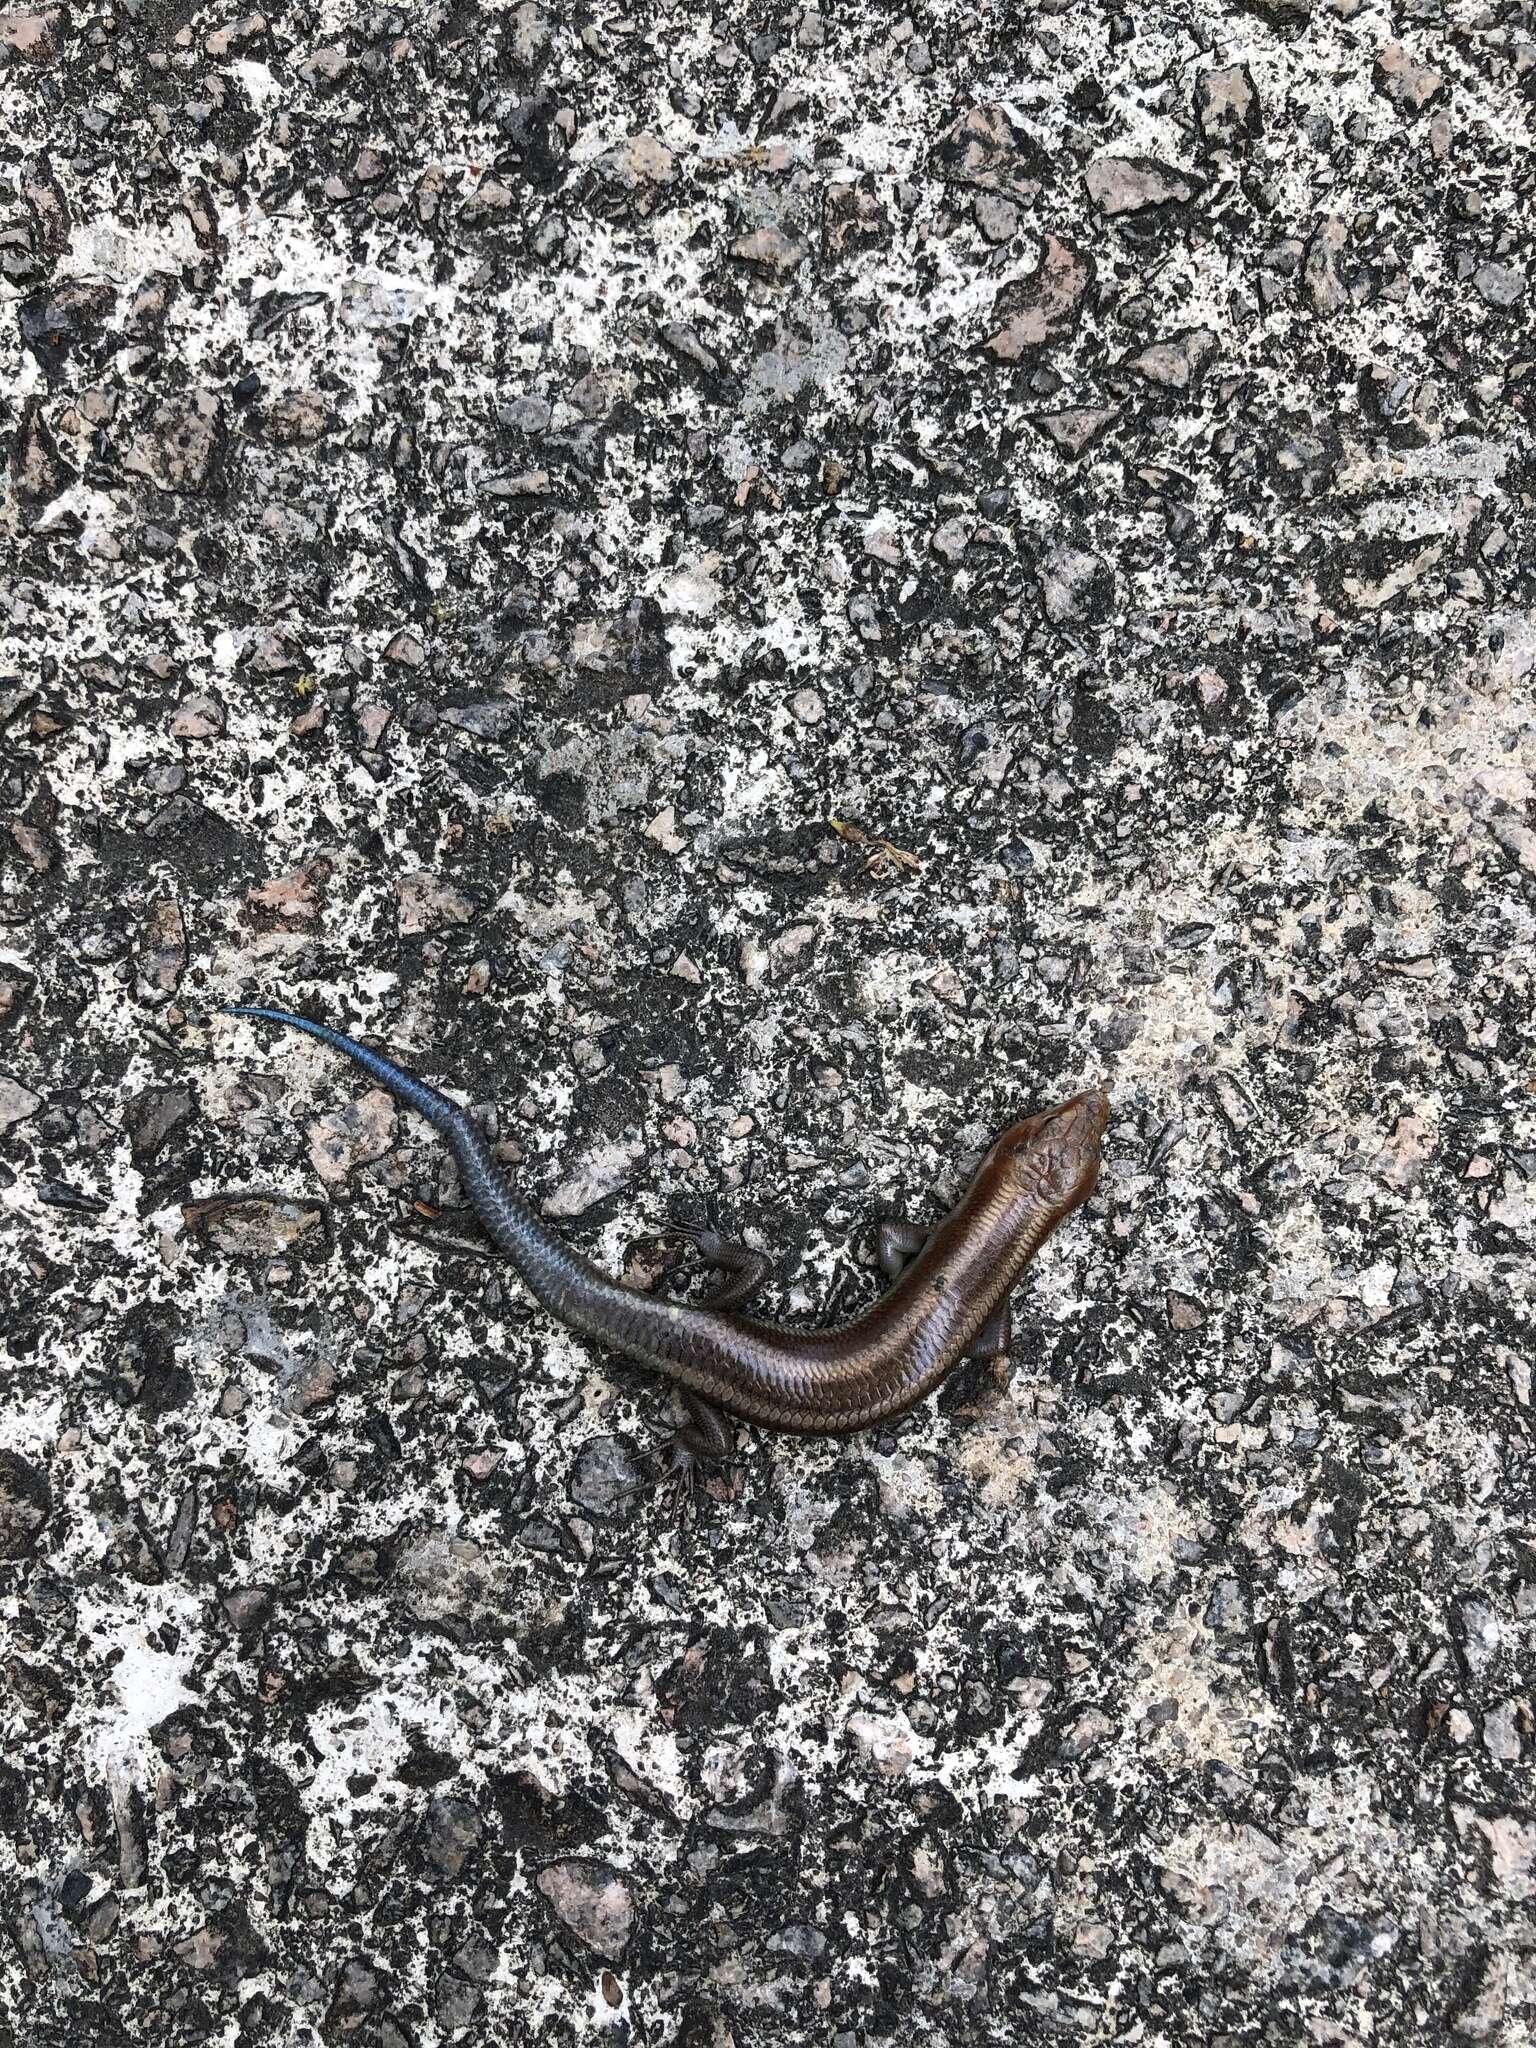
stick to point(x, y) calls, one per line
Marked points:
point(757, 593)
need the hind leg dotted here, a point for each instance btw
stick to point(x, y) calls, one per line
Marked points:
point(705, 1439)
point(743, 1270)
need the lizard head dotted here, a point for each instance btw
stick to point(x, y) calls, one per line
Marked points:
point(1057, 1150)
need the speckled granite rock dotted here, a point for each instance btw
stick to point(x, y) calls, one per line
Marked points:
point(756, 594)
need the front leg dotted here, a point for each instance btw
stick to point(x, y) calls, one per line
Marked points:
point(995, 1337)
point(898, 1242)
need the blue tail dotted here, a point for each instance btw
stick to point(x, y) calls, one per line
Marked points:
point(437, 1109)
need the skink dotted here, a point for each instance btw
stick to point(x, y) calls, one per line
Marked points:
point(948, 1300)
